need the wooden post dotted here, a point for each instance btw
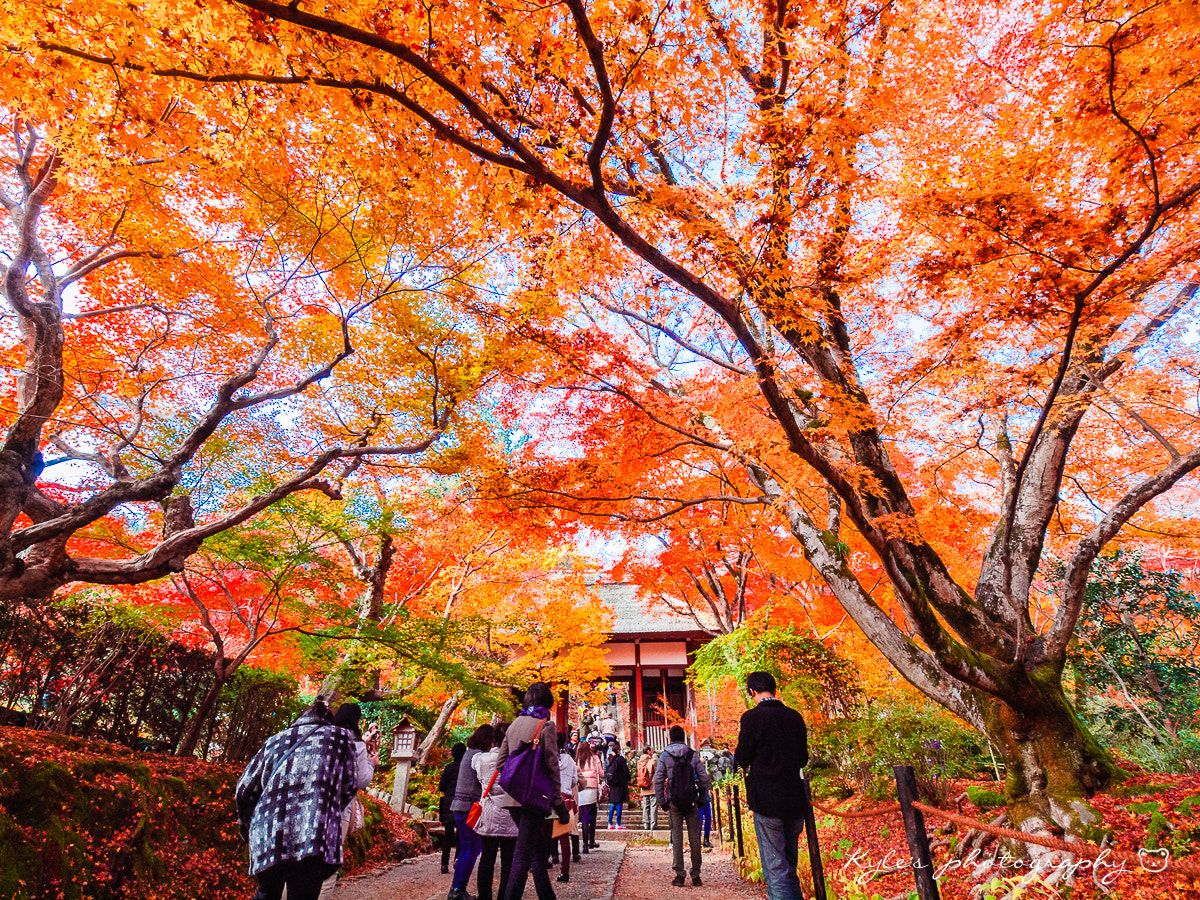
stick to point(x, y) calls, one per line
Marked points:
point(729, 800)
point(737, 807)
point(717, 809)
point(914, 828)
point(810, 832)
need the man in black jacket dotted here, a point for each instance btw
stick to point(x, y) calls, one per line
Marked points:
point(772, 749)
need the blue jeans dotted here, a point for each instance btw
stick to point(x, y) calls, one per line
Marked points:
point(706, 816)
point(779, 850)
point(617, 809)
point(469, 846)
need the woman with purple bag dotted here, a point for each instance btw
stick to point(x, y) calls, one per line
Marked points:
point(532, 780)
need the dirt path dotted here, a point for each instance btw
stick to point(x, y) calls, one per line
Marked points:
point(592, 878)
point(646, 875)
point(614, 872)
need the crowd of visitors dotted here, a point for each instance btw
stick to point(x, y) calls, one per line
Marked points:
point(524, 792)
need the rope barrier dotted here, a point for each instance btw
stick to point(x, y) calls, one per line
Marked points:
point(859, 814)
point(1185, 866)
point(1090, 851)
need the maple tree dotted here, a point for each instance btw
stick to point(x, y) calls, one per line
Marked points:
point(884, 256)
point(446, 600)
point(161, 341)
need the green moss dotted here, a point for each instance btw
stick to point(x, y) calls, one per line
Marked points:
point(79, 824)
point(1158, 828)
point(1188, 804)
point(1138, 790)
point(984, 798)
point(1095, 833)
point(1143, 809)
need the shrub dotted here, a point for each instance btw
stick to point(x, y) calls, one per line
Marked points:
point(875, 737)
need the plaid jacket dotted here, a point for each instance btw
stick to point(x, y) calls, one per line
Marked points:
point(291, 796)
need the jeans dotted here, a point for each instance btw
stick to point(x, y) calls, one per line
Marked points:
point(649, 811)
point(616, 809)
point(469, 847)
point(705, 809)
point(302, 879)
point(487, 865)
point(678, 818)
point(779, 850)
point(529, 858)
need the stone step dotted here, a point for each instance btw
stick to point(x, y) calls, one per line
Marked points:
point(632, 834)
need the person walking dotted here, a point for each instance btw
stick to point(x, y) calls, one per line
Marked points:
point(645, 779)
point(568, 842)
point(290, 800)
point(446, 786)
point(705, 811)
point(466, 793)
point(680, 782)
point(366, 758)
point(496, 829)
point(590, 772)
point(772, 748)
point(533, 829)
point(616, 776)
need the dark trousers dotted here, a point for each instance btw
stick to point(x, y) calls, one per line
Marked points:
point(587, 823)
point(487, 865)
point(302, 879)
point(450, 838)
point(567, 843)
point(680, 818)
point(529, 858)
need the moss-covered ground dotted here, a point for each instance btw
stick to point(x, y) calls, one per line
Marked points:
point(82, 820)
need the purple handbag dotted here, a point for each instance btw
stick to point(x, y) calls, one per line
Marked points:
point(524, 777)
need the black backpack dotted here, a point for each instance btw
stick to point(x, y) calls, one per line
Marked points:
point(682, 790)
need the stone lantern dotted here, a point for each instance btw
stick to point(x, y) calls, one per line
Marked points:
point(405, 737)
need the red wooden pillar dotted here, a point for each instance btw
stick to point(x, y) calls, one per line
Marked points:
point(639, 731)
point(562, 709)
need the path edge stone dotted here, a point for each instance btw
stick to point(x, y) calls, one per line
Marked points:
point(610, 887)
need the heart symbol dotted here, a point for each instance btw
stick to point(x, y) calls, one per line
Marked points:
point(1154, 860)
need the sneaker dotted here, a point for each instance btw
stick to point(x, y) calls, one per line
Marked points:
point(678, 881)
point(445, 870)
point(695, 881)
point(707, 845)
point(585, 850)
point(575, 858)
point(564, 878)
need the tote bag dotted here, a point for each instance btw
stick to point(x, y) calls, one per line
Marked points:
point(524, 777)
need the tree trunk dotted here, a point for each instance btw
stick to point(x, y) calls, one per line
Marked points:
point(187, 747)
point(438, 729)
point(1052, 762)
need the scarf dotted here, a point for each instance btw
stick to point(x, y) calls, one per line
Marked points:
point(538, 712)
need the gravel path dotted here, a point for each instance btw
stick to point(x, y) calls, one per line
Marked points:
point(646, 875)
point(421, 879)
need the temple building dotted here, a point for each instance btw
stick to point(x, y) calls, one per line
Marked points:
point(649, 652)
